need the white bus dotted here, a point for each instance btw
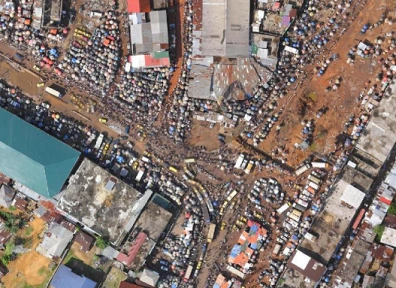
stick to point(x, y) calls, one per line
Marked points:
point(99, 141)
point(53, 92)
point(239, 161)
point(139, 175)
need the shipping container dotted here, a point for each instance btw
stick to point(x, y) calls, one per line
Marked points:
point(302, 169)
point(319, 164)
point(53, 92)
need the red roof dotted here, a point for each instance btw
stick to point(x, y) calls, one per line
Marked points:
point(133, 250)
point(124, 284)
point(136, 6)
point(358, 219)
point(153, 62)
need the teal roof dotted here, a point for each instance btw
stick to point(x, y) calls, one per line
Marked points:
point(32, 157)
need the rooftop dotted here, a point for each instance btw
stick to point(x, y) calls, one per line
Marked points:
point(153, 220)
point(307, 266)
point(55, 241)
point(135, 6)
point(32, 157)
point(379, 137)
point(65, 278)
point(109, 210)
point(225, 28)
point(389, 237)
point(356, 178)
point(330, 226)
point(351, 266)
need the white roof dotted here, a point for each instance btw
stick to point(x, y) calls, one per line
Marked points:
point(391, 180)
point(149, 277)
point(389, 237)
point(301, 260)
point(352, 196)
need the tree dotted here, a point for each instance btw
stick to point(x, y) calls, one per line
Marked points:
point(101, 243)
point(379, 230)
point(392, 209)
point(9, 248)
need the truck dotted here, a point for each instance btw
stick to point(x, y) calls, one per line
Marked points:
point(53, 92)
point(212, 229)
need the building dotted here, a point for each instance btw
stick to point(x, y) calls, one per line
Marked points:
point(149, 40)
point(6, 196)
point(390, 280)
point(124, 284)
point(38, 162)
point(379, 136)
point(84, 240)
point(138, 6)
point(154, 218)
point(101, 203)
point(225, 28)
point(37, 14)
point(249, 241)
point(333, 222)
point(55, 241)
point(350, 266)
point(149, 277)
point(301, 265)
point(389, 237)
point(128, 255)
point(66, 278)
point(56, 12)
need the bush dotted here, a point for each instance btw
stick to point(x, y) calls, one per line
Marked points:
point(101, 243)
point(392, 209)
point(379, 230)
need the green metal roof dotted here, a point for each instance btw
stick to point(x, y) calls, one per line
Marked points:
point(161, 54)
point(32, 157)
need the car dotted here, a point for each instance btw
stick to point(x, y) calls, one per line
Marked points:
point(103, 120)
point(37, 68)
point(41, 84)
point(212, 125)
point(135, 165)
point(223, 225)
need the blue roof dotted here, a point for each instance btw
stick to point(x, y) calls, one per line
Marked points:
point(32, 157)
point(65, 278)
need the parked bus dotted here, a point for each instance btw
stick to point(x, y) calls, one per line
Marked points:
point(188, 273)
point(53, 92)
point(212, 229)
point(302, 169)
point(232, 195)
point(189, 160)
point(139, 175)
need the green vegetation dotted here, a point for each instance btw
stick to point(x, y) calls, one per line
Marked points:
point(392, 209)
point(12, 208)
point(28, 231)
point(13, 222)
point(42, 270)
point(101, 242)
point(379, 230)
point(7, 257)
point(69, 256)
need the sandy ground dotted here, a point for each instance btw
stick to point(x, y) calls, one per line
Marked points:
point(341, 103)
point(86, 257)
point(114, 278)
point(30, 268)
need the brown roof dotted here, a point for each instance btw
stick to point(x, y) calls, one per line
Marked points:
point(125, 284)
point(84, 240)
point(69, 226)
point(20, 203)
point(382, 252)
point(314, 270)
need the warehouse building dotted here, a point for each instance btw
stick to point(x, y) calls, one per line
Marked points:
point(38, 163)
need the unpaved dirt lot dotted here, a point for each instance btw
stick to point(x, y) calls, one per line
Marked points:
point(30, 268)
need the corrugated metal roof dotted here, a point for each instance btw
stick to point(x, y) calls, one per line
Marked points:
point(225, 28)
point(141, 38)
point(65, 278)
point(32, 157)
point(135, 6)
point(159, 27)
